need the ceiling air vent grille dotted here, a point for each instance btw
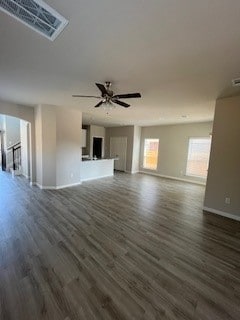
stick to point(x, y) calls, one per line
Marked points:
point(37, 15)
point(236, 82)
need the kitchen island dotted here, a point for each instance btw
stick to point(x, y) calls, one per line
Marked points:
point(95, 169)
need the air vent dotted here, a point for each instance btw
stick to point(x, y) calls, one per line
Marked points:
point(236, 82)
point(37, 15)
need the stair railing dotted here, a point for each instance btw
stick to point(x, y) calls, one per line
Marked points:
point(16, 155)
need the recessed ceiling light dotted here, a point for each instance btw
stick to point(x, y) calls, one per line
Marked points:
point(184, 116)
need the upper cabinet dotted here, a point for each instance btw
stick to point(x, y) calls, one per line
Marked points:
point(84, 138)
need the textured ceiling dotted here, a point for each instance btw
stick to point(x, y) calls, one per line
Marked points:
point(181, 55)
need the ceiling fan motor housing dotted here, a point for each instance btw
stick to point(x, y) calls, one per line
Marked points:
point(108, 85)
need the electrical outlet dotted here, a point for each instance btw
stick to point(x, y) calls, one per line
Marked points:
point(227, 200)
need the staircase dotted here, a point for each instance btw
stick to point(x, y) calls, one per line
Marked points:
point(14, 159)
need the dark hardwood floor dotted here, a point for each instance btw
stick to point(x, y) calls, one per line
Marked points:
point(128, 247)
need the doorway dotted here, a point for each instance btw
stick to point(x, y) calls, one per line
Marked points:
point(118, 149)
point(15, 146)
point(97, 147)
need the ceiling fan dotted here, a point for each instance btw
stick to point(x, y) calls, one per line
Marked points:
point(108, 97)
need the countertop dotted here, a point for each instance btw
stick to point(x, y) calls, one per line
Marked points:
point(98, 159)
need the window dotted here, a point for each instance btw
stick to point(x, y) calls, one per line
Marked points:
point(198, 157)
point(150, 157)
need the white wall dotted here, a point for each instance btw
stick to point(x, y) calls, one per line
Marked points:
point(3, 128)
point(1, 135)
point(25, 144)
point(69, 151)
point(136, 149)
point(224, 168)
point(12, 127)
point(58, 144)
point(1, 121)
point(173, 147)
point(48, 145)
point(38, 126)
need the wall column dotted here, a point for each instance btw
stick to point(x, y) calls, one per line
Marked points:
point(223, 182)
point(58, 146)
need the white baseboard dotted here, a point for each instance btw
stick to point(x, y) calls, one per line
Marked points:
point(95, 178)
point(68, 185)
point(222, 213)
point(25, 176)
point(173, 178)
point(45, 187)
point(55, 187)
point(15, 173)
point(131, 172)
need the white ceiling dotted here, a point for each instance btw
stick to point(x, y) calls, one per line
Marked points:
point(181, 55)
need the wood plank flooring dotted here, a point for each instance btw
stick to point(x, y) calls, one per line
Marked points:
point(127, 247)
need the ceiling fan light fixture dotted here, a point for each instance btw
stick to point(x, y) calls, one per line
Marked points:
point(236, 82)
point(108, 105)
point(109, 99)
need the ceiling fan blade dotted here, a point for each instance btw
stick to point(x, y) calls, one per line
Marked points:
point(102, 88)
point(127, 96)
point(121, 103)
point(99, 104)
point(83, 96)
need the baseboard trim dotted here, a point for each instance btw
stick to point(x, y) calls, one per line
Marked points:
point(56, 187)
point(69, 185)
point(222, 213)
point(96, 178)
point(45, 187)
point(25, 176)
point(131, 172)
point(173, 178)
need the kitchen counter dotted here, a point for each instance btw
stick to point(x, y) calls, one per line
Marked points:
point(98, 159)
point(95, 169)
